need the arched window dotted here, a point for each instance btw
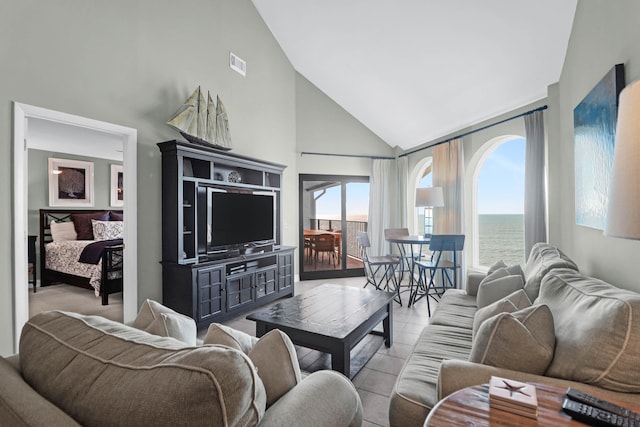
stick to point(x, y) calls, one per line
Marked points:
point(424, 224)
point(499, 221)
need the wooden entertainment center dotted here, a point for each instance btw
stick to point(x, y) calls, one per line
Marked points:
point(213, 284)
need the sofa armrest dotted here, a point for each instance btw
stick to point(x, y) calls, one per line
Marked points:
point(473, 282)
point(458, 374)
point(324, 398)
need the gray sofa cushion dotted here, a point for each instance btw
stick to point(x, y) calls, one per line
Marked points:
point(456, 308)
point(82, 364)
point(593, 318)
point(542, 259)
point(522, 341)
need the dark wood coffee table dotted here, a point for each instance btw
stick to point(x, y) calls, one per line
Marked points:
point(331, 319)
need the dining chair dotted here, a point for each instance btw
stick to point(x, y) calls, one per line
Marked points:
point(324, 243)
point(378, 269)
point(440, 246)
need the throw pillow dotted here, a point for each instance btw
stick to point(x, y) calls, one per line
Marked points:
point(150, 320)
point(224, 335)
point(107, 230)
point(522, 341)
point(493, 290)
point(82, 222)
point(497, 265)
point(509, 304)
point(275, 357)
point(62, 231)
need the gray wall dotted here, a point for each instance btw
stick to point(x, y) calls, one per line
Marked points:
point(604, 34)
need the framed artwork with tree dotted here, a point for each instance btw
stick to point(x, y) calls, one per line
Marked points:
point(70, 183)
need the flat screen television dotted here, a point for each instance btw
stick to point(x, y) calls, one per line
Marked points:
point(239, 219)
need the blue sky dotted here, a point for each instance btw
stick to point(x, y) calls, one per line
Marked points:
point(328, 205)
point(501, 180)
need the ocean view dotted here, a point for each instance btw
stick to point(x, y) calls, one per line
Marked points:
point(501, 237)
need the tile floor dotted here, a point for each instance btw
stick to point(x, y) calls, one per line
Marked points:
point(376, 380)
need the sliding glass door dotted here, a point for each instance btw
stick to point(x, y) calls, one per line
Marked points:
point(333, 208)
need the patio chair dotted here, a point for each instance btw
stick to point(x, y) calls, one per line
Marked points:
point(324, 243)
point(440, 245)
point(378, 269)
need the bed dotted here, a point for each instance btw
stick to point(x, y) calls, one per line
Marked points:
point(59, 258)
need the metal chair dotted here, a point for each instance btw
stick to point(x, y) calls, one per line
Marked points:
point(374, 265)
point(439, 246)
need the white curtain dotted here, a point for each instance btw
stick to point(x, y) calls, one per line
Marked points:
point(448, 173)
point(403, 183)
point(535, 207)
point(381, 197)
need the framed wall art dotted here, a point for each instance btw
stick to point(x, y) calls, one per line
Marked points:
point(594, 131)
point(70, 183)
point(117, 190)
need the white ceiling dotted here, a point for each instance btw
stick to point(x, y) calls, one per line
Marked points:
point(413, 71)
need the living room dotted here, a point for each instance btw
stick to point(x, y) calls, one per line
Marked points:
point(133, 64)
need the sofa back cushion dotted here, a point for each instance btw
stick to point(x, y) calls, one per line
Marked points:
point(597, 328)
point(104, 373)
point(542, 259)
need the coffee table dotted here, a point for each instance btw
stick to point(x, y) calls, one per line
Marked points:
point(331, 319)
point(470, 407)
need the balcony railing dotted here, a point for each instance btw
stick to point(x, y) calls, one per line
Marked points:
point(351, 235)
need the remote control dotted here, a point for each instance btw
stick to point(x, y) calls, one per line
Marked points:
point(580, 396)
point(594, 416)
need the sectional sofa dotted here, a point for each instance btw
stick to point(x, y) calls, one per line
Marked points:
point(77, 370)
point(579, 332)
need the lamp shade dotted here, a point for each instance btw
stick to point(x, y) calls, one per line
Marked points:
point(429, 197)
point(623, 211)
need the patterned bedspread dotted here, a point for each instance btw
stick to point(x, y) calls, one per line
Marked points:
point(63, 256)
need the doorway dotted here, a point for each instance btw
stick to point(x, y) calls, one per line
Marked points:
point(333, 208)
point(24, 115)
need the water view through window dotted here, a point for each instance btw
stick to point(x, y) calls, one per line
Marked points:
point(501, 205)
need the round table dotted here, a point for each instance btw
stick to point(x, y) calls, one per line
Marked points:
point(409, 259)
point(470, 407)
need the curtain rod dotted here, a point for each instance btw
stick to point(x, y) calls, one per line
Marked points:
point(346, 155)
point(544, 107)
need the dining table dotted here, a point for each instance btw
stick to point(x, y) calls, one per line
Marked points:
point(411, 248)
point(337, 238)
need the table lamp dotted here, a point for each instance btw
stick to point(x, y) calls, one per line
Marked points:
point(429, 197)
point(623, 211)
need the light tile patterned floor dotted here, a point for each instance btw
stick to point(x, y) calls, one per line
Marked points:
point(376, 380)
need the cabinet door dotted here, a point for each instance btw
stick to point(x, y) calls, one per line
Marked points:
point(285, 272)
point(240, 290)
point(266, 282)
point(210, 292)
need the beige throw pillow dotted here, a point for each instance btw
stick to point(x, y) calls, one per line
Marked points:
point(496, 289)
point(509, 304)
point(496, 266)
point(62, 231)
point(173, 324)
point(522, 341)
point(275, 357)
point(224, 335)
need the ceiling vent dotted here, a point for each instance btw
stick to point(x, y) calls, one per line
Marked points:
point(237, 64)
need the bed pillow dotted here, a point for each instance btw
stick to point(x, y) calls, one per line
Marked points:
point(116, 216)
point(173, 324)
point(82, 222)
point(522, 341)
point(63, 231)
point(107, 230)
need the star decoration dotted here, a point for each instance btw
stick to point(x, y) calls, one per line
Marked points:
point(513, 389)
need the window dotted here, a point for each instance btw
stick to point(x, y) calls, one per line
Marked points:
point(425, 215)
point(500, 204)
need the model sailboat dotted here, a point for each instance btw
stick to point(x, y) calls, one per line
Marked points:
point(203, 123)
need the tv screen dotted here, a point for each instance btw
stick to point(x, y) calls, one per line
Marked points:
point(239, 218)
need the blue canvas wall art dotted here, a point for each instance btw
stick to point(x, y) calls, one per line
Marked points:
point(594, 124)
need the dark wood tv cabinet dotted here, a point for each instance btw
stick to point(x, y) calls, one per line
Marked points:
point(213, 284)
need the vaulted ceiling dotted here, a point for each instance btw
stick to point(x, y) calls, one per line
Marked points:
point(413, 71)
